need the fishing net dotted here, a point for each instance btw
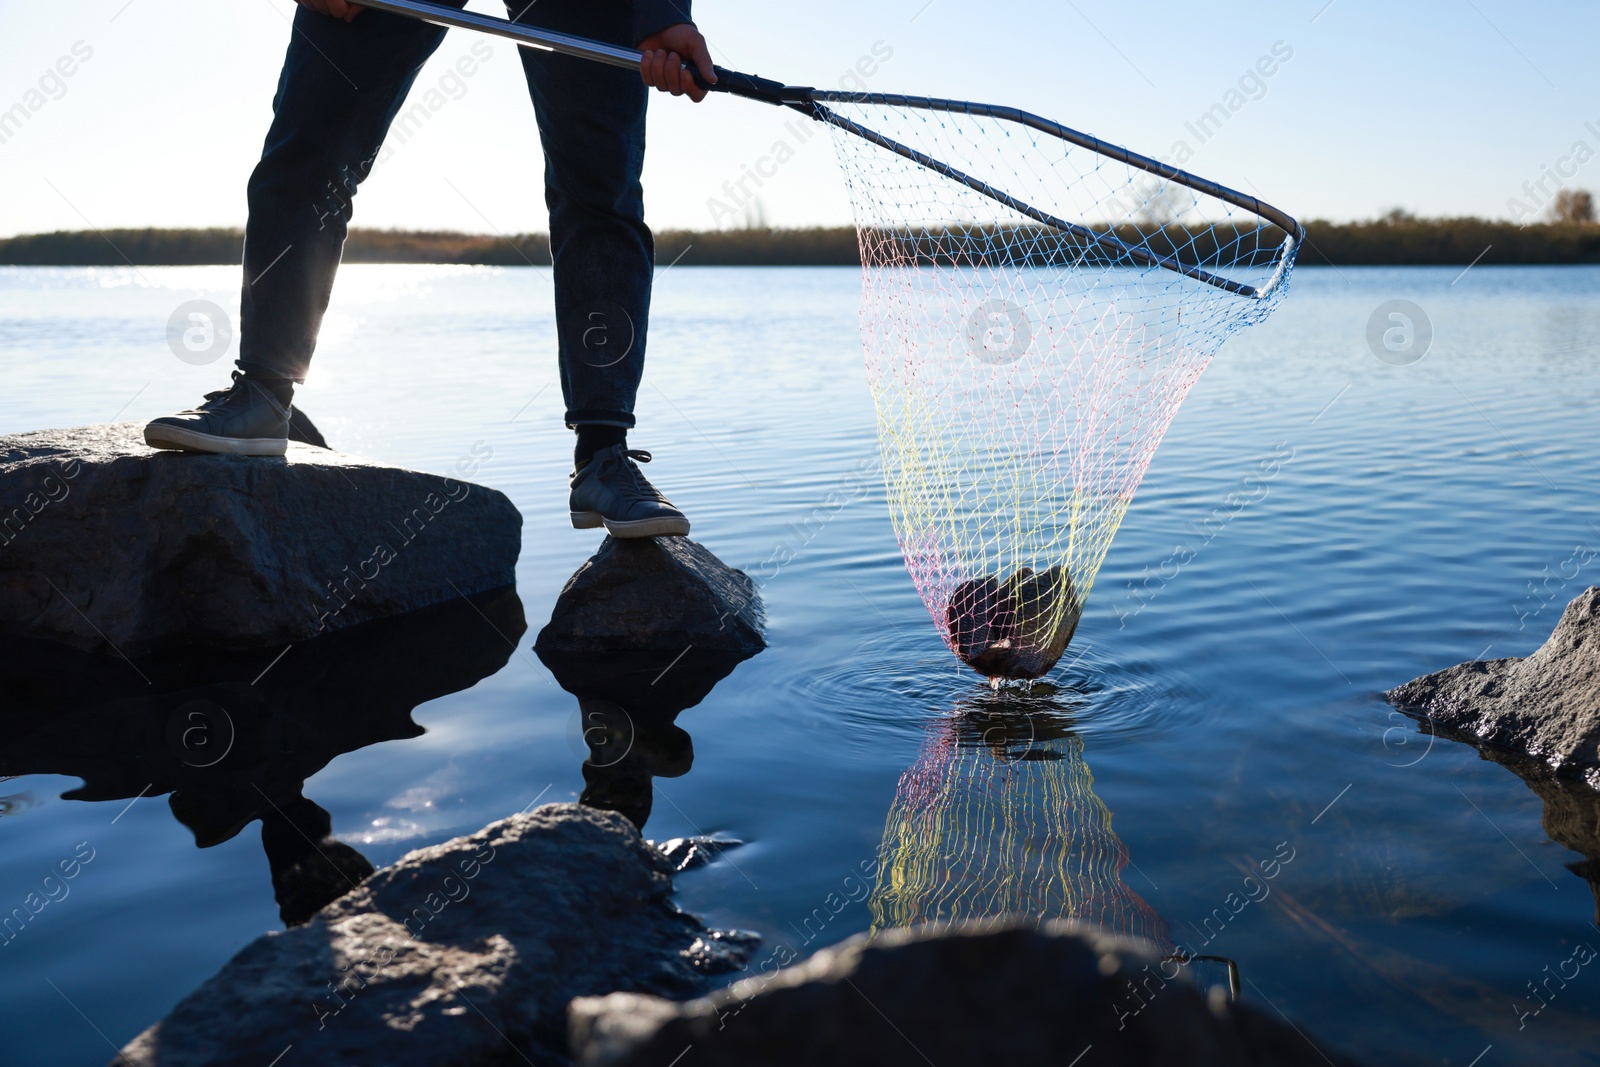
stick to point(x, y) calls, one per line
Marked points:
point(1032, 318)
point(998, 816)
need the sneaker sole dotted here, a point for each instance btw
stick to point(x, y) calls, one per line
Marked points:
point(636, 528)
point(661, 527)
point(176, 439)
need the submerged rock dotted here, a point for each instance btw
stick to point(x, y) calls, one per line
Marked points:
point(465, 952)
point(970, 995)
point(687, 853)
point(1015, 629)
point(108, 544)
point(1546, 705)
point(654, 594)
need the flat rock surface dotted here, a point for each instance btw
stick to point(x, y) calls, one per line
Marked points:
point(655, 593)
point(465, 952)
point(1546, 705)
point(980, 993)
point(107, 544)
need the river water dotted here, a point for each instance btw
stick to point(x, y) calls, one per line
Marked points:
point(1219, 722)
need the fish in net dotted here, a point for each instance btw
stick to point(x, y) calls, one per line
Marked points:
point(1036, 303)
point(998, 816)
point(1032, 317)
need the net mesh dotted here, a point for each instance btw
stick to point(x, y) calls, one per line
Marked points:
point(998, 816)
point(1024, 371)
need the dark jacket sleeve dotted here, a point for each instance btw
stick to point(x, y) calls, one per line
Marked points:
point(653, 16)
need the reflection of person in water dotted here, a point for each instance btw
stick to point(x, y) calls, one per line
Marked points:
point(230, 752)
point(628, 750)
point(998, 817)
point(628, 704)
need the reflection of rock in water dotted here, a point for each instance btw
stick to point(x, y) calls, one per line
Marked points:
point(1572, 819)
point(1571, 815)
point(1539, 716)
point(1013, 629)
point(998, 817)
point(644, 630)
point(232, 737)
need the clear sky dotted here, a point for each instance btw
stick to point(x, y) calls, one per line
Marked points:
point(1438, 106)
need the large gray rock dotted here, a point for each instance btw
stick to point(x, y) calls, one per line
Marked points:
point(466, 952)
point(654, 594)
point(106, 543)
point(979, 994)
point(1546, 705)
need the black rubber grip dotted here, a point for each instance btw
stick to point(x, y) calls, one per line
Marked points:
point(753, 87)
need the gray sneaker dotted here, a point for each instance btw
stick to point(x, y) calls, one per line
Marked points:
point(246, 420)
point(611, 491)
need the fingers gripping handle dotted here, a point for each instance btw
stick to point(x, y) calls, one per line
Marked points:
point(728, 81)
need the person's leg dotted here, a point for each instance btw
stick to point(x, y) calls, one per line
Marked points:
point(341, 87)
point(592, 127)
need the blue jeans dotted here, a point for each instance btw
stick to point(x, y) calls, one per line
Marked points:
point(343, 85)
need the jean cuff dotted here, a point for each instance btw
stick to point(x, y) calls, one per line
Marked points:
point(260, 370)
point(599, 417)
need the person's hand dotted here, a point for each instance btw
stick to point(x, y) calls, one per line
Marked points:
point(339, 9)
point(664, 55)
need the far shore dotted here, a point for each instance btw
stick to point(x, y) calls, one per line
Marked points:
point(1387, 242)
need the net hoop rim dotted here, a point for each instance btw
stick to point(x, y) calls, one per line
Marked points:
point(1282, 219)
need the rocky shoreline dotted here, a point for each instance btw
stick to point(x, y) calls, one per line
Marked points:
point(1545, 706)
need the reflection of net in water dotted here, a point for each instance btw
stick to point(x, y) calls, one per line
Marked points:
point(998, 817)
point(1031, 323)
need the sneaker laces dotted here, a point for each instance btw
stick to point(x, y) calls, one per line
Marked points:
point(239, 381)
point(629, 479)
point(217, 394)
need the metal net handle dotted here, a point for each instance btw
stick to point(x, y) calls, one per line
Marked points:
point(810, 102)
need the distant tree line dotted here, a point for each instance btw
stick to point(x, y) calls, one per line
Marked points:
point(115, 248)
point(1396, 239)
